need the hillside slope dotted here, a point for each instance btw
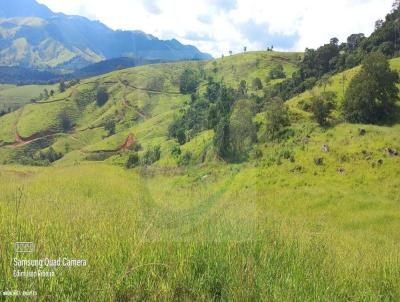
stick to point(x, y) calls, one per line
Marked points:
point(312, 217)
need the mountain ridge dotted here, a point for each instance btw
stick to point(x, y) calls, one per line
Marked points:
point(36, 37)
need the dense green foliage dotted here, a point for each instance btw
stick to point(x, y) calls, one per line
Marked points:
point(152, 155)
point(333, 57)
point(133, 160)
point(110, 126)
point(188, 81)
point(101, 96)
point(277, 117)
point(372, 94)
point(322, 106)
point(277, 72)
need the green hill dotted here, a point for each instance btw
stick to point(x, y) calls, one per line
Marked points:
point(311, 217)
point(13, 97)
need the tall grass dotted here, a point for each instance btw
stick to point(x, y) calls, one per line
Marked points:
point(225, 244)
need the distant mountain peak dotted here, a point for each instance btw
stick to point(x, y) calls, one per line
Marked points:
point(35, 37)
point(24, 8)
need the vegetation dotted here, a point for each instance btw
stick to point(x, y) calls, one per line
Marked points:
point(152, 155)
point(101, 96)
point(277, 119)
point(236, 195)
point(110, 127)
point(322, 106)
point(372, 94)
point(277, 72)
point(188, 82)
point(133, 160)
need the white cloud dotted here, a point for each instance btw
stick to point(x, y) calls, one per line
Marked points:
point(217, 26)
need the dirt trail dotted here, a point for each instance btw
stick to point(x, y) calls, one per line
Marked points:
point(20, 141)
point(127, 84)
point(129, 141)
point(18, 138)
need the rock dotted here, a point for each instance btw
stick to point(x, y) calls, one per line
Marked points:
point(341, 170)
point(362, 132)
point(391, 152)
point(325, 148)
point(297, 169)
point(319, 161)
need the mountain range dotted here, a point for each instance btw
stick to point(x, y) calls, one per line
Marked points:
point(32, 36)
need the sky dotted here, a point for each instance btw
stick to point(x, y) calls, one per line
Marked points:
point(218, 26)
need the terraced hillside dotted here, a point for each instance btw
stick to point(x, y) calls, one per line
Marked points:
point(312, 217)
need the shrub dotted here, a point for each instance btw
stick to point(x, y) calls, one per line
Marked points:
point(133, 160)
point(176, 151)
point(322, 105)
point(50, 155)
point(110, 127)
point(151, 156)
point(185, 159)
point(101, 96)
point(257, 84)
point(277, 72)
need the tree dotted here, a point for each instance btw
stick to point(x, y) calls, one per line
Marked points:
point(221, 139)
point(65, 121)
point(325, 81)
point(243, 132)
point(277, 72)
point(372, 93)
point(242, 90)
point(322, 106)
point(257, 84)
point(101, 96)
point(188, 82)
point(277, 118)
point(62, 86)
point(245, 49)
point(110, 127)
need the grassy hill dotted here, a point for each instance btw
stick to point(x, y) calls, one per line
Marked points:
point(275, 227)
point(14, 97)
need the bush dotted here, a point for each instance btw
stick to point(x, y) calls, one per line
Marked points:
point(133, 160)
point(110, 127)
point(176, 151)
point(277, 72)
point(257, 84)
point(185, 159)
point(101, 96)
point(322, 105)
point(151, 156)
point(51, 155)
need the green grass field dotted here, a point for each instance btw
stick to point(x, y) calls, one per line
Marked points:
point(14, 97)
point(276, 228)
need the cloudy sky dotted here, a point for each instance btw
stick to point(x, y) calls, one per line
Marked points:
point(217, 26)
